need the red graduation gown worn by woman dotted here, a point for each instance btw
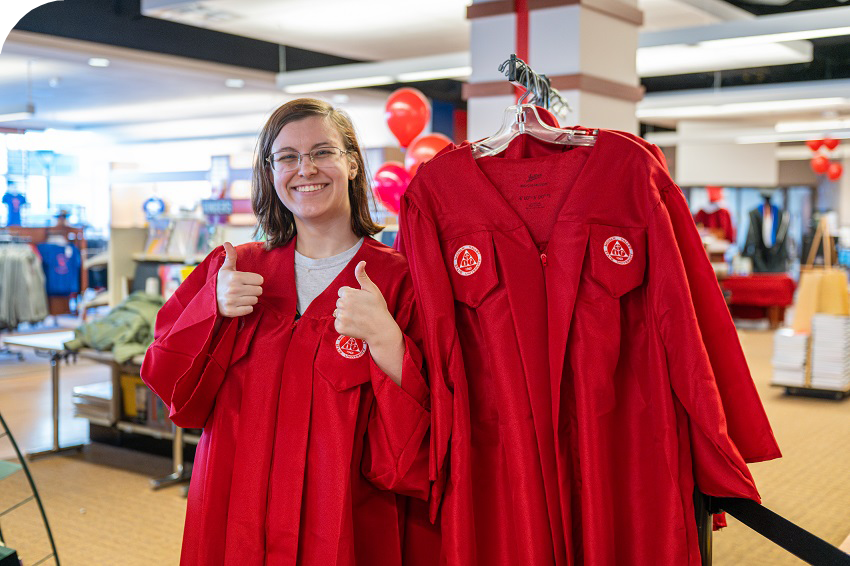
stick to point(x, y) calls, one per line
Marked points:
point(574, 402)
point(303, 434)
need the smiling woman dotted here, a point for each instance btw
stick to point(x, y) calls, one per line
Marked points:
point(310, 125)
point(305, 373)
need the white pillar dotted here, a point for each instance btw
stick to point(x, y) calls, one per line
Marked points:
point(571, 43)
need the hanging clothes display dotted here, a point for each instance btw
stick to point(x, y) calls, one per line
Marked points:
point(14, 202)
point(716, 217)
point(22, 286)
point(585, 374)
point(284, 401)
point(767, 238)
point(62, 265)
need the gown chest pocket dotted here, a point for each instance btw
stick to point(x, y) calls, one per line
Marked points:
point(342, 361)
point(617, 257)
point(471, 265)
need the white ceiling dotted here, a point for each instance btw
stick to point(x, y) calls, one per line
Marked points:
point(364, 29)
point(145, 96)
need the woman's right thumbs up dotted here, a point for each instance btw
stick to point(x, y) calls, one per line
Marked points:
point(236, 292)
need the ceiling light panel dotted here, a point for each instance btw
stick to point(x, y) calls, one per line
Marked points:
point(679, 58)
point(740, 109)
point(737, 42)
point(339, 85)
point(818, 125)
point(776, 28)
point(373, 74)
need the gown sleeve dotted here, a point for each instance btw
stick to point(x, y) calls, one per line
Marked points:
point(186, 363)
point(420, 243)
point(396, 447)
point(745, 417)
point(719, 468)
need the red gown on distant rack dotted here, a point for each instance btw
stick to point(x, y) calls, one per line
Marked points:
point(584, 370)
point(303, 433)
point(720, 219)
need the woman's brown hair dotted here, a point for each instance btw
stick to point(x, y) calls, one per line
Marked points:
point(275, 220)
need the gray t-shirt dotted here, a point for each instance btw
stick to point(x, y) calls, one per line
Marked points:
point(312, 276)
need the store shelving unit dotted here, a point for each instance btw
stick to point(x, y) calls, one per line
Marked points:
point(121, 423)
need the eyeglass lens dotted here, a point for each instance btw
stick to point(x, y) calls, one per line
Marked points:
point(321, 157)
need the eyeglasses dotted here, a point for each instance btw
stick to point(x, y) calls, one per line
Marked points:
point(291, 160)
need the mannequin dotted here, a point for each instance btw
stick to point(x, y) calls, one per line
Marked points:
point(767, 238)
point(14, 201)
point(715, 216)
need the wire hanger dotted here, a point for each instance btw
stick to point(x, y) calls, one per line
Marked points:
point(523, 118)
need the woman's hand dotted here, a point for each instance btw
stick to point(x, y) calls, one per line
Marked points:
point(362, 313)
point(236, 292)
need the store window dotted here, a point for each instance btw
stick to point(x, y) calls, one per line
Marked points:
point(53, 179)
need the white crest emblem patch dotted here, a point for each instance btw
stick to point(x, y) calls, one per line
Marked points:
point(467, 260)
point(618, 250)
point(351, 348)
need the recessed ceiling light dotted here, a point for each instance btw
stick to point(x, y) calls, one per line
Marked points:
point(98, 62)
point(234, 83)
point(340, 98)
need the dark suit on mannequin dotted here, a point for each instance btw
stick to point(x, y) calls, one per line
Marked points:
point(768, 256)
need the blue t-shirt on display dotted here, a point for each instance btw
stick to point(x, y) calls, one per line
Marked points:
point(61, 268)
point(14, 202)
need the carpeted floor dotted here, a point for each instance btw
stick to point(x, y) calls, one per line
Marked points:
point(103, 511)
point(809, 484)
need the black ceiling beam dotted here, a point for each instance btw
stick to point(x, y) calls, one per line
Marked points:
point(769, 7)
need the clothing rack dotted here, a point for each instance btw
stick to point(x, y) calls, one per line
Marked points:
point(40, 234)
point(538, 85)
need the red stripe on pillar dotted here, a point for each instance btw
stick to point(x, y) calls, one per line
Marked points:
point(521, 9)
point(460, 119)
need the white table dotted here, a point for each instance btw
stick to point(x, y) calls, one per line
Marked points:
point(51, 345)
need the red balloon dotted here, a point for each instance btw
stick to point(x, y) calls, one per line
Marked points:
point(834, 172)
point(830, 143)
point(391, 181)
point(407, 112)
point(819, 164)
point(814, 145)
point(423, 149)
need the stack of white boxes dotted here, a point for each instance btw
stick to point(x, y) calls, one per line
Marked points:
point(789, 358)
point(830, 352)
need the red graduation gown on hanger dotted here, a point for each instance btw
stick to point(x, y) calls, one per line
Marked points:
point(303, 433)
point(574, 401)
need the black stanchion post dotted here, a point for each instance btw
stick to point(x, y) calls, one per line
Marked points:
point(704, 526)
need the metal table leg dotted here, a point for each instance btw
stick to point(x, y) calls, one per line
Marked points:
point(55, 358)
point(180, 474)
